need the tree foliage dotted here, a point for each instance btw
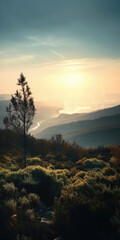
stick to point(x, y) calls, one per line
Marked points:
point(21, 110)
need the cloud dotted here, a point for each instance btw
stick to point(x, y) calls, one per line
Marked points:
point(36, 41)
point(16, 60)
point(57, 54)
point(88, 63)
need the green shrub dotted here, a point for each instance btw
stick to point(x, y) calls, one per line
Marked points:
point(14, 167)
point(93, 163)
point(17, 177)
point(83, 212)
point(33, 161)
point(50, 156)
point(46, 183)
point(29, 214)
point(81, 174)
point(108, 171)
point(4, 173)
point(51, 167)
point(9, 189)
point(23, 192)
point(10, 205)
point(24, 202)
point(38, 173)
point(34, 200)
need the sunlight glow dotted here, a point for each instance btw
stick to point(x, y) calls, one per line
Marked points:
point(73, 79)
point(86, 81)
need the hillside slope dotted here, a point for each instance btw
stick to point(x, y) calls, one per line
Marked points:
point(101, 131)
point(68, 118)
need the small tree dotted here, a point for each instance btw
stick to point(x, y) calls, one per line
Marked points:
point(58, 144)
point(21, 111)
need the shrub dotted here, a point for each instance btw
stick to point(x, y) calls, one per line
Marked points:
point(38, 173)
point(81, 213)
point(93, 163)
point(34, 200)
point(108, 171)
point(4, 173)
point(9, 189)
point(10, 205)
point(46, 183)
point(17, 177)
point(24, 202)
point(33, 161)
point(80, 174)
point(29, 214)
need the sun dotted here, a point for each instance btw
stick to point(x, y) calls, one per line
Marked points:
point(72, 79)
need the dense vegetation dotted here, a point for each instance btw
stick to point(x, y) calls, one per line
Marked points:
point(65, 190)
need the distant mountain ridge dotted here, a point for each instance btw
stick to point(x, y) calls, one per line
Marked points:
point(4, 97)
point(94, 114)
point(101, 123)
point(83, 126)
point(67, 118)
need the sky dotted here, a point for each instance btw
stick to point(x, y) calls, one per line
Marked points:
point(69, 51)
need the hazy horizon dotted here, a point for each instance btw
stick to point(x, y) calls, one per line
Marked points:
point(65, 108)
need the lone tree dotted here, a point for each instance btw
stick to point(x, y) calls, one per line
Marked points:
point(21, 111)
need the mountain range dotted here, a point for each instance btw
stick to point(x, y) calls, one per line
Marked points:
point(100, 127)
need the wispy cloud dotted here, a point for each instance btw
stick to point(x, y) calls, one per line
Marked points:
point(37, 41)
point(57, 54)
point(88, 64)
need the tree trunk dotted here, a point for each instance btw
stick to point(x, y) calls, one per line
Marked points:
point(24, 150)
point(24, 145)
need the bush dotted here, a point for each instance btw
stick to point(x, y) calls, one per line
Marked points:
point(9, 189)
point(108, 171)
point(17, 177)
point(10, 205)
point(29, 214)
point(90, 164)
point(89, 202)
point(33, 161)
point(24, 202)
point(85, 212)
point(34, 200)
point(38, 173)
point(46, 183)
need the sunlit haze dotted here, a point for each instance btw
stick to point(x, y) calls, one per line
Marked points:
point(70, 54)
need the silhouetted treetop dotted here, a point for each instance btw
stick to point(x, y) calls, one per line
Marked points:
point(21, 110)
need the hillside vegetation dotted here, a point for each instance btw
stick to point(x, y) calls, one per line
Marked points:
point(65, 191)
